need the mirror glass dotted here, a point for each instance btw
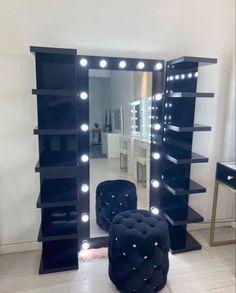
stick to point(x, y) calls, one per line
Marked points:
point(119, 124)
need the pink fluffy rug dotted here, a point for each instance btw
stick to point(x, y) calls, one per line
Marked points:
point(87, 255)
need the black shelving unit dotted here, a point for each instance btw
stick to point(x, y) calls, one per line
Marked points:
point(174, 144)
point(58, 165)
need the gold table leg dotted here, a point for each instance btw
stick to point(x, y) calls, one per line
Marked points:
point(212, 242)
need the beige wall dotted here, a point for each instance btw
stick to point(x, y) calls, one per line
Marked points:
point(134, 28)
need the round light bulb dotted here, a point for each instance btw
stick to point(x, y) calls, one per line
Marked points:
point(84, 217)
point(83, 62)
point(156, 156)
point(171, 77)
point(158, 97)
point(182, 76)
point(84, 188)
point(196, 74)
point(84, 158)
point(84, 127)
point(83, 96)
point(140, 65)
point(155, 183)
point(177, 77)
point(85, 245)
point(157, 126)
point(158, 66)
point(154, 210)
point(190, 75)
point(103, 63)
point(122, 64)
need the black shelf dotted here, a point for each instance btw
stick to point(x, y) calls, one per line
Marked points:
point(183, 188)
point(61, 131)
point(58, 193)
point(58, 137)
point(186, 128)
point(59, 256)
point(177, 212)
point(180, 157)
point(177, 114)
point(190, 95)
point(181, 240)
point(60, 159)
point(188, 59)
point(58, 223)
point(182, 215)
point(43, 238)
point(54, 92)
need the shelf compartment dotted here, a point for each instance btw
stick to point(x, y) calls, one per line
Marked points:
point(54, 92)
point(59, 256)
point(181, 157)
point(181, 240)
point(177, 212)
point(190, 95)
point(50, 159)
point(186, 128)
point(183, 188)
point(58, 223)
point(62, 131)
point(58, 193)
point(188, 59)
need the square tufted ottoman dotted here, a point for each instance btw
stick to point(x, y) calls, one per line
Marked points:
point(113, 197)
point(138, 252)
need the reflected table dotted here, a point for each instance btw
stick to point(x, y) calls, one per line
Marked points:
point(226, 177)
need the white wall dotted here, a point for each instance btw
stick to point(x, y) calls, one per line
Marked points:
point(135, 28)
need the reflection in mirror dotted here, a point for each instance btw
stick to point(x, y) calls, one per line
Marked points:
point(120, 118)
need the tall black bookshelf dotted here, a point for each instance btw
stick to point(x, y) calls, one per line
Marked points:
point(58, 164)
point(178, 111)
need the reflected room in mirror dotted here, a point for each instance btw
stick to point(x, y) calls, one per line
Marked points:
point(119, 125)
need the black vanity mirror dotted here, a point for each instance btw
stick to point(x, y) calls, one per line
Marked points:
point(116, 101)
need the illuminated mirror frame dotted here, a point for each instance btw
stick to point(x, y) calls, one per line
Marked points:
point(84, 64)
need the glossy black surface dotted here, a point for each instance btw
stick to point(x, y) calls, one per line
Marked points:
point(178, 156)
point(177, 212)
point(59, 223)
point(174, 143)
point(59, 256)
point(58, 192)
point(226, 175)
point(190, 95)
point(182, 127)
point(183, 187)
point(181, 240)
point(58, 164)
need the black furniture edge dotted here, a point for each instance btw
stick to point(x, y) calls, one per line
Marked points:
point(200, 60)
point(52, 50)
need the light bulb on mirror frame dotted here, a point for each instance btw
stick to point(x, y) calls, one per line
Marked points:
point(103, 63)
point(84, 187)
point(83, 62)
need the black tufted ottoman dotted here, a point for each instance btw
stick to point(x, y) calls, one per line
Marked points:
point(138, 252)
point(113, 197)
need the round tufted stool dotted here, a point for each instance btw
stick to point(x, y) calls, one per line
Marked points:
point(138, 252)
point(113, 197)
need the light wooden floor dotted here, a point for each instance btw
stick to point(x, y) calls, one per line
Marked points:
point(210, 270)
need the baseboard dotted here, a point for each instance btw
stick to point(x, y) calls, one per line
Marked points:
point(20, 247)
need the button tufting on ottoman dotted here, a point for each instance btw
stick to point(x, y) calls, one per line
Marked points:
point(113, 197)
point(138, 252)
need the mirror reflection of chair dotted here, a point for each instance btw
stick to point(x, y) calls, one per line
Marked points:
point(141, 170)
point(123, 159)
